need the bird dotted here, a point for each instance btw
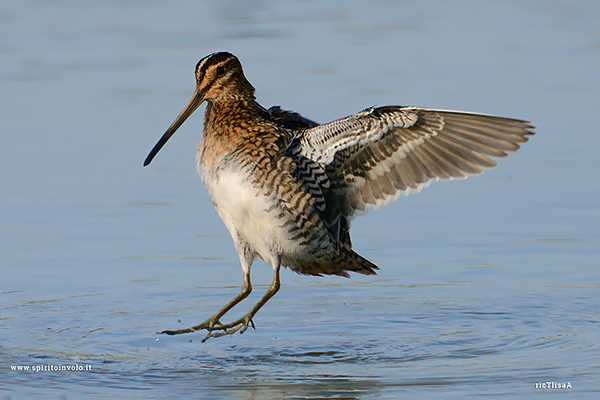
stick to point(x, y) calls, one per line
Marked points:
point(287, 188)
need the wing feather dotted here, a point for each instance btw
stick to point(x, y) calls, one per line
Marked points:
point(372, 157)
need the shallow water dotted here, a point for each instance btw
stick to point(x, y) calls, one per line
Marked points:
point(487, 285)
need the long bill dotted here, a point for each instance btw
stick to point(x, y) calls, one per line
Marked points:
point(189, 109)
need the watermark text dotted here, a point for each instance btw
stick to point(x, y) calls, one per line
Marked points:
point(553, 385)
point(51, 367)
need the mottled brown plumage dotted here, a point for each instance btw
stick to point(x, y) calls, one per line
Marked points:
point(287, 188)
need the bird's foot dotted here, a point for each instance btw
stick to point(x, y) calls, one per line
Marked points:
point(210, 324)
point(240, 325)
point(215, 328)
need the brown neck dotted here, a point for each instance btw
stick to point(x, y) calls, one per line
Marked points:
point(235, 116)
point(229, 126)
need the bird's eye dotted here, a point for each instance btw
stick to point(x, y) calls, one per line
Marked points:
point(220, 71)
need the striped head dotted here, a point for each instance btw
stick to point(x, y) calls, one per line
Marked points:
point(219, 77)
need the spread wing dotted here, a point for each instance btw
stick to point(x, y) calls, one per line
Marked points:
point(372, 157)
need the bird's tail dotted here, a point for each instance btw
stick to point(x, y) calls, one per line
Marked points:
point(343, 261)
point(352, 261)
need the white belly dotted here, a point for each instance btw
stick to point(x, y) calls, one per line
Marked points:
point(243, 209)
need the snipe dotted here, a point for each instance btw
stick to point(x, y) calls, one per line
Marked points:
point(287, 188)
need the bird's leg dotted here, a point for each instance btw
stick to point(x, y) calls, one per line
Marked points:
point(243, 323)
point(213, 322)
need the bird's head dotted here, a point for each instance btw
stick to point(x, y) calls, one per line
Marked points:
point(219, 77)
